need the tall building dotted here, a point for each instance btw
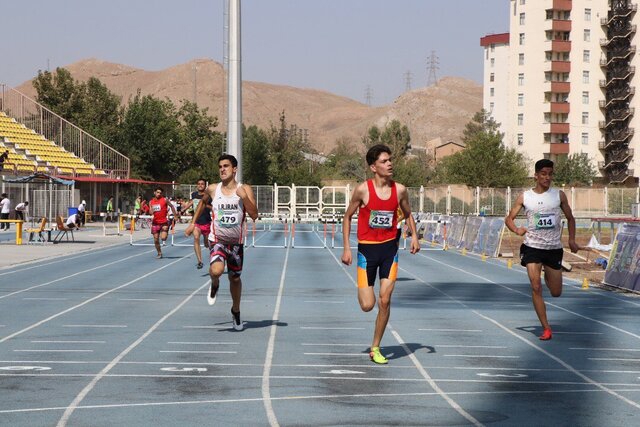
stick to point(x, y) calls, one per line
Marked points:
point(562, 81)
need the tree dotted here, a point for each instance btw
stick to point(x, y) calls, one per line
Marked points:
point(344, 162)
point(575, 169)
point(255, 156)
point(396, 136)
point(485, 162)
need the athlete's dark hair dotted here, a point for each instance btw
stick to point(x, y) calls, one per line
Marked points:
point(201, 179)
point(543, 163)
point(232, 159)
point(158, 188)
point(375, 151)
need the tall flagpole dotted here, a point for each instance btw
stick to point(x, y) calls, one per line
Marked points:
point(234, 121)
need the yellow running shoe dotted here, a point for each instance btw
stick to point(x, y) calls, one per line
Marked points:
point(377, 357)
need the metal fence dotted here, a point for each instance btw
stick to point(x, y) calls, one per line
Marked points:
point(68, 136)
point(45, 199)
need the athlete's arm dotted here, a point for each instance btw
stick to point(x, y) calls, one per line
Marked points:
point(571, 221)
point(206, 198)
point(403, 195)
point(248, 199)
point(186, 207)
point(510, 219)
point(356, 200)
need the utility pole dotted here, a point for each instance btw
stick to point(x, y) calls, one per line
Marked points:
point(234, 122)
point(432, 66)
point(368, 95)
point(408, 78)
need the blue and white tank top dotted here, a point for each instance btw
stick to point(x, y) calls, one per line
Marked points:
point(544, 219)
point(228, 218)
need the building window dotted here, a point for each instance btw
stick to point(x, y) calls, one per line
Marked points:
point(585, 138)
point(493, 47)
point(522, 19)
point(492, 91)
point(521, 59)
point(520, 119)
point(493, 62)
point(587, 14)
point(586, 55)
point(520, 99)
point(520, 139)
point(549, 14)
point(521, 39)
point(585, 118)
point(492, 77)
point(585, 77)
point(587, 35)
point(521, 79)
point(585, 98)
point(491, 105)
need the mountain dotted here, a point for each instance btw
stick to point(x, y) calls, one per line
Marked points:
point(439, 111)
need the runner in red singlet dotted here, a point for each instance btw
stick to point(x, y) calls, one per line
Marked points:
point(159, 206)
point(378, 200)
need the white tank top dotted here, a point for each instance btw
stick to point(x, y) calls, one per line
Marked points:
point(544, 219)
point(228, 218)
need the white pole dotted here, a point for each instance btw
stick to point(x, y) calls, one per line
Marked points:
point(234, 124)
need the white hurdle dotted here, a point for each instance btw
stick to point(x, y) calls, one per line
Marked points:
point(267, 223)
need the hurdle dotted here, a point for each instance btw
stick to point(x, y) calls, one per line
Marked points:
point(267, 222)
point(120, 218)
point(314, 220)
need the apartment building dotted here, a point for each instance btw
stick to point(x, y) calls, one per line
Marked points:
point(562, 81)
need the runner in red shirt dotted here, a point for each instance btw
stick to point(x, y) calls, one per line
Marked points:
point(378, 200)
point(159, 206)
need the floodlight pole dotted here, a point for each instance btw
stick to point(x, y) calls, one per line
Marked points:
point(234, 121)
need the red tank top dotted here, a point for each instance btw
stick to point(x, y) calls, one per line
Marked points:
point(159, 210)
point(378, 219)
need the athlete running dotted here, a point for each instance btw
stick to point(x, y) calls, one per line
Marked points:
point(378, 200)
point(159, 206)
point(202, 223)
point(230, 202)
point(542, 245)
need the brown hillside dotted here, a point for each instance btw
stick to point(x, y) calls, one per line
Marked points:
point(437, 111)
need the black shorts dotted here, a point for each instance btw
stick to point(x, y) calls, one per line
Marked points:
point(552, 258)
point(377, 259)
point(233, 254)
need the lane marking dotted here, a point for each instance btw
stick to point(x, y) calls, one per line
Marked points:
point(138, 299)
point(66, 342)
point(25, 368)
point(320, 328)
point(604, 349)
point(336, 354)
point(468, 346)
point(481, 355)
point(202, 343)
point(204, 327)
point(54, 351)
point(44, 299)
point(268, 360)
point(576, 333)
point(452, 330)
point(43, 321)
point(83, 393)
point(198, 351)
point(334, 345)
point(325, 302)
point(94, 326)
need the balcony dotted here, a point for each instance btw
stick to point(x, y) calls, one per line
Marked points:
point(617, 96)
point(620, 176)
point(560, 107)
point(563, 5)
point(619, 14)
point(563, 25)
point(622, 33)
point(560, 66)
point(561, 46)
point(621, 157)
point(559, 148)
point(558, 87)
point(562, 128)
point(618, 55)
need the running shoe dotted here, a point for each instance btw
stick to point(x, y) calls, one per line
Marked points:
point(377, 357)
point(199, 266)
point(237, 323)
point(164, 243)
point(158, 256)
point(546, 335)
point(212, 294)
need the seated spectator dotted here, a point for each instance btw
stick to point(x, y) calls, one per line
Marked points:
point(20, 210)
point(73, 221)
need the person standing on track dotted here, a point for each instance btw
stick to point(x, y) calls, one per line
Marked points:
point(542, 247)
point(230, 202)
point(159, 207)
point(378, 200)
point(202, 223)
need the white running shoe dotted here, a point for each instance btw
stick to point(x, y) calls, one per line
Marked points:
point(212, 294)
point(237, 323)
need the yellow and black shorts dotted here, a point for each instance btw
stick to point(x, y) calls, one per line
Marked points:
point(377, 259)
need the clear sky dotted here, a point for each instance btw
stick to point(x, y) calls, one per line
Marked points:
point(342, 46)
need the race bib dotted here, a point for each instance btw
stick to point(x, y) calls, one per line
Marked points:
point(381, 219)
point(155, 208)
point(227, 219)
point(195, 204)
point(544, 221)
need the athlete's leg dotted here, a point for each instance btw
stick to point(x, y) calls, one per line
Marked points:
point(553, 279)
point(156, 243)
point(196, 244)
point(215, 271)
point(534, 271)
point(164, 233)
point(384, 310)
point(366, 298)
point(235, 287)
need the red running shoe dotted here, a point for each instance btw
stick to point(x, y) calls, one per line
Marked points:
point(546, 335)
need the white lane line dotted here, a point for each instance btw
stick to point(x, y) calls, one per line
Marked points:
point(468, 346)
point(603, 349)
point(576, 333)
point(335, 345)
point(601, 307)
point(382, 396)
point(268, 360)
point(67, 342)
point(417, 364)
point(481, 356)
point(336, 354)
point(71, 275)
point(218, 328)
point(613, 359)
point(74, 404)
point(330, 329)
point(137, 299)
point(44, 299)
point(202, 343)
point(54, 351)
point(198, 351)
point(43, 321)
point(324, 302)
point(94, 326)
point(451, 330)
